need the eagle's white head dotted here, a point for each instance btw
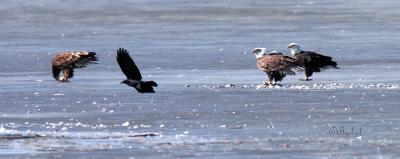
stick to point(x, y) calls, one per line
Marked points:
point(259, 52)
point(294, 48)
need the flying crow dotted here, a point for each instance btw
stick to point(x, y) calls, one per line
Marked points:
point(132, 73)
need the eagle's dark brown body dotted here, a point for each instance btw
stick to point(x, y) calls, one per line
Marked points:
point(63, 64)
point(277, 66)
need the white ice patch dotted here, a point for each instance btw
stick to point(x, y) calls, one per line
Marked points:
point(315, 86)
point(345, 86)
point(260, 86)
point(4, 130)
point(125, 124)
point(229, 85)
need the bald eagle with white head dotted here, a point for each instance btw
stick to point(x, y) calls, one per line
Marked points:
point(311, 61)
point(64, 63)
point(275, 65)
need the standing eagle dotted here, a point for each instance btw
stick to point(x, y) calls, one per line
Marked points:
point(63, 64)
point(275, 65)
point(311, 61)
point(132, 73)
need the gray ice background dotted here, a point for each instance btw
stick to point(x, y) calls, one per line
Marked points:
point(207, 104)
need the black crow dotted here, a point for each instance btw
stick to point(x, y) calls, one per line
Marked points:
point(132, 73)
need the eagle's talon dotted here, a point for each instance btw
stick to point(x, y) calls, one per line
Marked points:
point(265, 83)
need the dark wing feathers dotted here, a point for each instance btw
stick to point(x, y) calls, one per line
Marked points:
point(275, 53)
point(288, 65)
point(151, 83)
point(85, 58)
point(56, 72)
point(315, 61)
point(69, 73)
point(127, 65)
point(74, 59)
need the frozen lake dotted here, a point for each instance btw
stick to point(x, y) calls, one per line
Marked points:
point(206, 105)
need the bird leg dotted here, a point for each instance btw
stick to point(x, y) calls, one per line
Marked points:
point(270, 79)
point(269, 83)
point(277, 84)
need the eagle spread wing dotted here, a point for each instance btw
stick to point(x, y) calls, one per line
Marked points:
point(75, 59)
point(127, 65)
point(64, 63)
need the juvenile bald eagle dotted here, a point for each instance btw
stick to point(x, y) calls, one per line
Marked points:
point(64, 63)
point(275, 65)
point(132, 73)
point(311, 61)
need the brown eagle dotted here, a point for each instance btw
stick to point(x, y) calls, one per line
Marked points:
point(311, 61)
point(132, 73)
point(275, 65)
point(64, 63)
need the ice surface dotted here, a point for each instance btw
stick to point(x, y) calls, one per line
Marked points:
point(207, 104)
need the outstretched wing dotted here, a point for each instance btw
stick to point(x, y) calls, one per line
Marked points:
point(74, 59)
point(85, 58)
point(64, 63)
point(127, 65)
